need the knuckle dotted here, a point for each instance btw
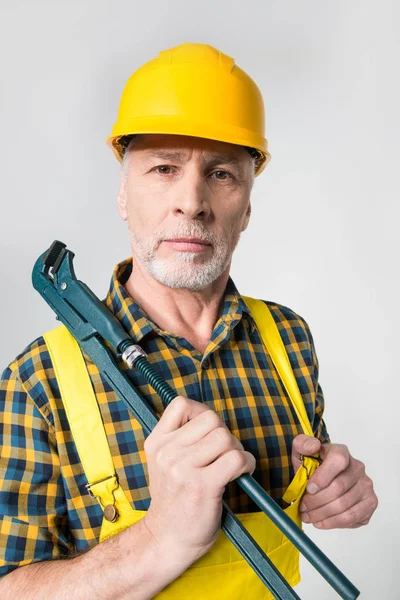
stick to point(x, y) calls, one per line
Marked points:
point(339, 462)
point(164, 458)
point(344, 503)
point(159, 456)
point(237, 458)
point(245, 460)
point(342, 461)
point(213, 419)
point(350, 517)
point(374, 503)
point(339, 487)
point(224, 437)
point(252, 461)
point(360, 466)
point(344, 449)
point(368, 485)
point(299, 440)
point(181, 403)
point(177, 474)
point(371, 507)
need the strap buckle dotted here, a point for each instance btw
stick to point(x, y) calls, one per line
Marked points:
point(89, 485)
point(106, 497)
point(317, 458)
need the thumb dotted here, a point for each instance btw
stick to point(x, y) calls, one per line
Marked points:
point(303, 445)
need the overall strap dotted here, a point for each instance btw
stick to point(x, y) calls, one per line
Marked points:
point(84, 418)
point(271, 337)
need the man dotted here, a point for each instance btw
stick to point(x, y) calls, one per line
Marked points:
point(190, 137)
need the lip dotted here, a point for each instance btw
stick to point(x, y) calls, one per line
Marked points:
point(188, 240)
point(196, 245)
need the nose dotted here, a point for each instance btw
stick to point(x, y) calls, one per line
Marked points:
point(190, 196)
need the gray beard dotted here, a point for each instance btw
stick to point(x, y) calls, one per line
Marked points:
point(182, 271)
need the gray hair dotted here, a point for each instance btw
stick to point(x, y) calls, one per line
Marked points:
point(125, 158)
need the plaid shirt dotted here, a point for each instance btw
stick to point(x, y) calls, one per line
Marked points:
point(45, 510)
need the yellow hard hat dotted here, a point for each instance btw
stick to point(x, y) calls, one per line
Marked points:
point(195, 90)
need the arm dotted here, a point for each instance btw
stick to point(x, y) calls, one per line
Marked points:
point(129, 565)
point(339, 494)
point(191, 458)
point(34, 523)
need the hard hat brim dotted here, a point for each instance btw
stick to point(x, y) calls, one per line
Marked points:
point(174, 125)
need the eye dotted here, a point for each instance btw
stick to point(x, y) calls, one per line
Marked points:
point(225, 175)
point(164, 169)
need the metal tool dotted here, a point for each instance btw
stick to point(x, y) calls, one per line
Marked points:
point(92, 324)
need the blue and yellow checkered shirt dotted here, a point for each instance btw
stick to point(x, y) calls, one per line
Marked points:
point(45, 510)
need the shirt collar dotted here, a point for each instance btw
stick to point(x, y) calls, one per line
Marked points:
point(137, 323)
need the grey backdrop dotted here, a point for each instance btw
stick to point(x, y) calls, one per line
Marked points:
point(323, 236)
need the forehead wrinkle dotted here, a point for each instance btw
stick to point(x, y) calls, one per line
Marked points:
point(165, 154)
point(208, 158)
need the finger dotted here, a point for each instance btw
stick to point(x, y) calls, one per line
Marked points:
point(338, 506)
point(212, 446)
point(356, 516)
point(228, 467)
point(200, 426)
point(336, 459)
point(339, 486)
point(178, 412)
point(303, 445)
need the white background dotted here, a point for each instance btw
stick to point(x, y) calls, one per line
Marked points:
point(324, 231)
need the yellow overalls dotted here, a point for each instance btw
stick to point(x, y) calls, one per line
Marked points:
point(222, 573)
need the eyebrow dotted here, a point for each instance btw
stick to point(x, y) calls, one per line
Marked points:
point(211, 159)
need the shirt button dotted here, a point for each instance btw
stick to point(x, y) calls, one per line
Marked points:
point(205, 364)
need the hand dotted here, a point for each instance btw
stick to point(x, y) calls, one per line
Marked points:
point(339, 493)
point(191, 457)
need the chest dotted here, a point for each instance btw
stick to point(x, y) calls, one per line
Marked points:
point(238, 381)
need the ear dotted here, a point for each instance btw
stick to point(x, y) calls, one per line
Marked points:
point(121, 198)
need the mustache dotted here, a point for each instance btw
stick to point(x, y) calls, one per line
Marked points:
point(187, 230)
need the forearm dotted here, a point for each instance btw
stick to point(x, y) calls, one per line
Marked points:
point(128, 566)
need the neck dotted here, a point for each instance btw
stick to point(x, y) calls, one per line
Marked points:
point(182, 312)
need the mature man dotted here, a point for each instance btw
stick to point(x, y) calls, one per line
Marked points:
point(190, 137)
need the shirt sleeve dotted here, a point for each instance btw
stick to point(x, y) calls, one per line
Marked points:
point(318, 425)
point(33, 514)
